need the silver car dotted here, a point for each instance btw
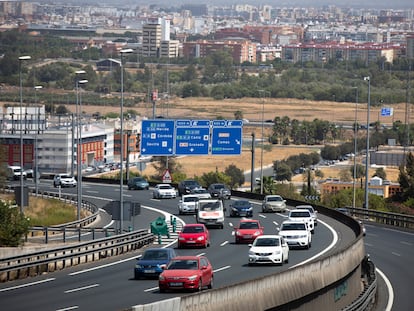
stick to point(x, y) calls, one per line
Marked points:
point(273, 203)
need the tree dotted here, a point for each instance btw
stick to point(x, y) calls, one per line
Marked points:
point(236, 176)
point(380, 172)
point(13, 224)
point(62, 110)
point(162, 163)
point(406, 177)
point(214, 177)
point(282, 171)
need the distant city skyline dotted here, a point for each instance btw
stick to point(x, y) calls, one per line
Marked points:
point(370, 4)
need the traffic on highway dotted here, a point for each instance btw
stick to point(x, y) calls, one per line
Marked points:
point(110, 284)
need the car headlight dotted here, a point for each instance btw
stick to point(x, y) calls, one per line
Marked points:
point(234, 209)
point(200, 238)
point(138, 266)
point(192, 278)
point(251, 253)
point(277, 252)
point(257, 233)
point(181, 238)
point(238, 233)
point(250, 209)
point(161, 277)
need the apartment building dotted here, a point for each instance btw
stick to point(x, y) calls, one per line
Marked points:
point(241, 50)
point(348, 51)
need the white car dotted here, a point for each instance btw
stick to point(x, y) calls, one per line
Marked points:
point(296, 234)
point(303, 215)
point(313, 212)
point(273, 203)
point(162, 191)
point(64, 180)
point(202, 193)
point(269, 249)
point(188, 204)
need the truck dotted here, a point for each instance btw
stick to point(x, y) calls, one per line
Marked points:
point(210, 213)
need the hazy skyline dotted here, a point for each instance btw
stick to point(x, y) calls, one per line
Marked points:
point(371, 4)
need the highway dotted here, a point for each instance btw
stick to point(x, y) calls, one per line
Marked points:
point(109, 284)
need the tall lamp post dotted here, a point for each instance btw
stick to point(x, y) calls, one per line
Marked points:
point(79, 140)
point(367, 160)
point(21, 59)
point(35, 173)
point(355, 145)
point(121, 167)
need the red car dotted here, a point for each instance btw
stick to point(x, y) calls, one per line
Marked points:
point(247, 231)
point(186, 273)
point(194, 235)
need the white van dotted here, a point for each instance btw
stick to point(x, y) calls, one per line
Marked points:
point(210, 213)
point(14, 172)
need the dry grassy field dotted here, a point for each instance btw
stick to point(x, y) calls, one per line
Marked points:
point(254, 109)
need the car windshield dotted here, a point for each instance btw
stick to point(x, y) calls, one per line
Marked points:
point(218, 186)
point(300, 214)
point(190, 199)
point(293, 227)
point(310, 209)
point(210, 206)
point(183, 264)
point(200, 191)
point(267, 242)
point(241, 204)
point(65, 176)
point(249, 225)
point(191, 183)
point(274, 199)
point(139, 179)
point(193, 229)
point(155, 255)
point(164, 187)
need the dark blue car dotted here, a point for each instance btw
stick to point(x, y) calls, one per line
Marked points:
point(150, 263)
point(241, 208)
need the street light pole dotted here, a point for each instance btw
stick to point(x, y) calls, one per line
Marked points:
point(35, 173)
point(367, 160)
point(21, 59)
point(79, 141)
point(261, 152)
point(121, 170)
point(355, 145)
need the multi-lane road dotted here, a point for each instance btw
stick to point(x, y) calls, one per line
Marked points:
point(109, 284)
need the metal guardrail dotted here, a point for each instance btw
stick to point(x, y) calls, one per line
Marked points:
point(386, 218)
point(367, 298)
point(50, 260)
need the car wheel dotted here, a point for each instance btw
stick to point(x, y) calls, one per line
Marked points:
point(221, 226)
point(210, 286)
point(287, 260)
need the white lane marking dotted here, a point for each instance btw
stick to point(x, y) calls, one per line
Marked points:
point(396, 254)
point(368, 244)
point(222, 268)
point(263, 216)
point(92, 191)
point(332, 245)
point(26, 285)
point(276, 223)
point(406, 243)
point(224, 243)
point(151, 289)
point(80, 288)
point(68, 308)
point(390, 290)
point(230, 224)
point(201, 254)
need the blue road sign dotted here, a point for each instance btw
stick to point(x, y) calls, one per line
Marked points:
point(157, 137)
point(192, 137)
point(226, 137)
point(386, 112)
